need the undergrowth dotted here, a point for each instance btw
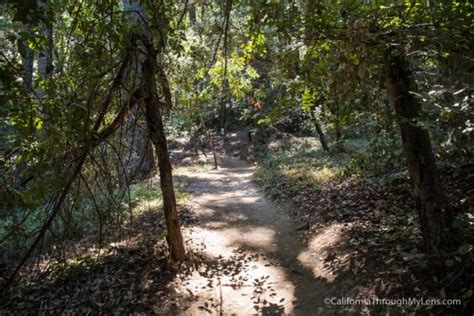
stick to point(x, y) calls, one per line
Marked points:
point(290, 164)
point(364, 187)
point(104, 217)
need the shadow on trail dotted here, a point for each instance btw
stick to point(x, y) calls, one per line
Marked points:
point(362, 231)
point(253, 256)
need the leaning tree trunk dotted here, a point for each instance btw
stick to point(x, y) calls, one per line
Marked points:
point(322, 138)
point(319, 130)
point(418, 151)
point(153, 109)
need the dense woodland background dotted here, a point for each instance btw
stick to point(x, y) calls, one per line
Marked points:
point(358, 112)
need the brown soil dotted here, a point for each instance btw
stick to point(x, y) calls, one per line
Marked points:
point(255, 262)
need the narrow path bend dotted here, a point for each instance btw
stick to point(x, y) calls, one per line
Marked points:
point(254, 255)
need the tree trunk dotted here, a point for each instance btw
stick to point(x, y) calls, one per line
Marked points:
point(211, 143)
point(417, 148)
point(338, 128)
point(45, 59)
point(222, 115)
point(148, 166)
point(140, 161)
point(319, 130)
point(153, 107)
point(27, 60)
point(27, 57)
point(322, 138)
point(225, 88)
point(192, 13)
point(157, 135)
point(335, 111)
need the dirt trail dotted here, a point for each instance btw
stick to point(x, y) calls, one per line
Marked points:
point(256, 263)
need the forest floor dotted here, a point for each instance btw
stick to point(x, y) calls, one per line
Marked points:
point(306, 233)
point(253, 261)
point(277, 237)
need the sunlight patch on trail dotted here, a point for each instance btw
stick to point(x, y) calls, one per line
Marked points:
point(234, 280)
point(237, 238)
point(319, 253)
point(223, 242)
